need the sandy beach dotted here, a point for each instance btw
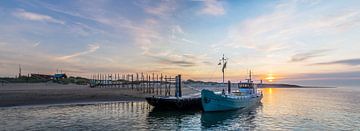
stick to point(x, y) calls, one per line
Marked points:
point(51, 93)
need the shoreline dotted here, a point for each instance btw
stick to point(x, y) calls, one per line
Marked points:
point(85, 102)
point(22, 94)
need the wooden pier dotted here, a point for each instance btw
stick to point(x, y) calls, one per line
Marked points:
point(158, 88)
point(154, 84)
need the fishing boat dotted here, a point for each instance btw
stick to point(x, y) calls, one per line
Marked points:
point(247, 95)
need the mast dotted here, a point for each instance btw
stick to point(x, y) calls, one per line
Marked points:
point(223, 61)
point(250, 75)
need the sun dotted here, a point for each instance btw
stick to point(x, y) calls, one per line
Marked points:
point(270, 78)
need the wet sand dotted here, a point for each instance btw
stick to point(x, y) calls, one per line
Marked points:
point(52, 93)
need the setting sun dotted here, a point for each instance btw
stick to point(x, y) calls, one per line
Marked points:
point(270, 78)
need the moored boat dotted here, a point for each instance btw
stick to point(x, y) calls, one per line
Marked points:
point(246, 96)
point(217, 101)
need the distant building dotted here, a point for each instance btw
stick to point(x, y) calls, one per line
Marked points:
point(59, 76)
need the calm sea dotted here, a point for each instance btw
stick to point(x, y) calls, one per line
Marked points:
point(281, 109)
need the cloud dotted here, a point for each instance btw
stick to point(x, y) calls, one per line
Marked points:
point(169, 59)
point(182, 63)
point(307, 55)
point(212, 7)
point(36, 44)
point(162, 9)
point(91, 48)
point(352, 62)
point(287, 26)
point(189, 41)
point(36, 17)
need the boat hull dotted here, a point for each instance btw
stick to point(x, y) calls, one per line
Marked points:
point(175, 103)
point(218, 102)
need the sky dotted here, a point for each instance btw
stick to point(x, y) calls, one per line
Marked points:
point(293, 41)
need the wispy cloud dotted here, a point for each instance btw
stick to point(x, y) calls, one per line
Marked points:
point(169, 59)
point(307, 55)
point(352, 62)
point(212, 7)
point(36, 44)
point(36, 16)
point(91, 48)
point(286, 27)
point(181, 63)
point(161, 9)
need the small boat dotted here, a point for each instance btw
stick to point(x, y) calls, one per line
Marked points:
point(247, 96)
point(177, 102)
point(183, 103)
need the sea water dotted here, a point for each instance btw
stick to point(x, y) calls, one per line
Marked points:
point(280, 109)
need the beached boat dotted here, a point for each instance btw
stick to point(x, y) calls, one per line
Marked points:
point(246, 96)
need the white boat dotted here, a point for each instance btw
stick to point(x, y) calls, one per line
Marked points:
point(220, 101)
point(247, 95)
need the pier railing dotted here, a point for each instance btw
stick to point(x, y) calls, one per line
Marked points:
point(146, 83)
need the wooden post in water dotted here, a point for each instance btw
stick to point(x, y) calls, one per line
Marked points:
point(229, 87)
point(157, 84)
point(148, 83)
point(132, 81)
point(111, 82)
point(179, 85)
point(106, 80)
point(126, 80)
point(117, 80)
point(101, 80)
point(165, 89)
point(137, 82)
point(142, 82)
point(152, 84)
point(161, 83)
point(97, 79)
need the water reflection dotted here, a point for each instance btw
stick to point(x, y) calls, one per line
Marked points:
point(173, 119)
point(236, 119)
point(284, 109)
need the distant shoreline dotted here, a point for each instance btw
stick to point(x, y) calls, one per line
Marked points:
point(290, 86)
point(304, 87)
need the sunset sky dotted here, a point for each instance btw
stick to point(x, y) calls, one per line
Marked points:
point(289, 41)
